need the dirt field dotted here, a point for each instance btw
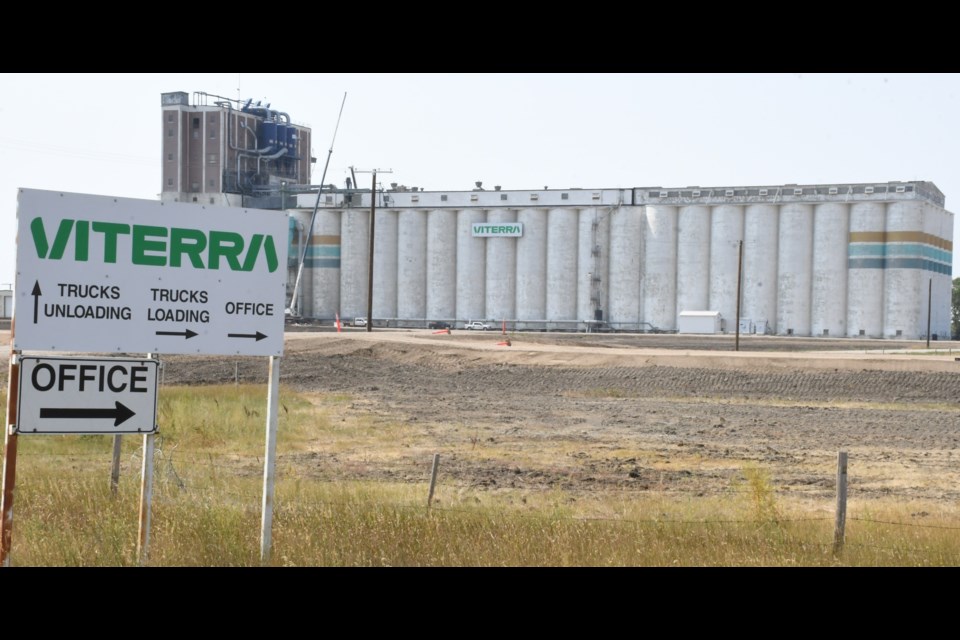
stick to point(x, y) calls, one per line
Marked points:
point(590, 412)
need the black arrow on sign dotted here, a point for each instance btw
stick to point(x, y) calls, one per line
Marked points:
point(120, 414)
point(186, 334)
point(259, 336)
point(36, 300)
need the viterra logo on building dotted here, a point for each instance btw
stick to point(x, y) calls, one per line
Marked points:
point(156, 246)
point(497, 229)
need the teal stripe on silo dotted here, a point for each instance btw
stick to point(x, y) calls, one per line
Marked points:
point(873, 249)
point(322, 263)
point(323, 256)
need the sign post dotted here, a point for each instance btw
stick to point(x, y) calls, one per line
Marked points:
point(9, 465)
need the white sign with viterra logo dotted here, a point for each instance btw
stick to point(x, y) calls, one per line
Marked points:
point(497, 229)
point(118, 275)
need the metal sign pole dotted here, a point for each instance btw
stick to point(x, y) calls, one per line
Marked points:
point(269, 462)
point(146, 498)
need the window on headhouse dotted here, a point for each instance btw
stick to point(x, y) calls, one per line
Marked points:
point(169, 157)
point(211, 182)
point(213, 133)
point(169, 117)
point(169, 133)
point(169, 182)
point(196, 123)
point(212, 158)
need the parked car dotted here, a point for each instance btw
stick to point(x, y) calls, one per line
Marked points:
point(477, 325)
point(439, 325)
point(359, 322)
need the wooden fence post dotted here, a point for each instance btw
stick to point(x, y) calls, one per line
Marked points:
point(841, 519)
point(433, 477)
point(115, 466)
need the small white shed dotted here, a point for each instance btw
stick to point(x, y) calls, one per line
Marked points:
point(6, 304)
point(699, 322)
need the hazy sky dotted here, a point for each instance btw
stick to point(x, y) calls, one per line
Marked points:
point(101, 133)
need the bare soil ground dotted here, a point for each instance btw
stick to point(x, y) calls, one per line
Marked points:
point(591, 412)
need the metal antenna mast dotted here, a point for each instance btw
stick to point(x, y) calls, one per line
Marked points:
point(294, 304)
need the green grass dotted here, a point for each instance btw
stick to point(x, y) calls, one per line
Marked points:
point(208, 490)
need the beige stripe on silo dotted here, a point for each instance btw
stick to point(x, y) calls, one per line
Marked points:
point(901, 236)
point(867, 236)
point(325, 240)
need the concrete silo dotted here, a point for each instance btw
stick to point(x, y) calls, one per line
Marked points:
point(693, 258)
point(412, 264)
point(726, 233)
point(761, 225)
point(501, 287)
point(865, 272)
point(323, 260)
point(441, 264)
point(828, 295)
point(626, 261)
point(593, 260)
point(903, 292)
point(471, 266)
point(562, 282)
point(531, 247)
point(354, 262)
point(794, 269)
point(385, 265)
point(938, 262)
point(659, 288)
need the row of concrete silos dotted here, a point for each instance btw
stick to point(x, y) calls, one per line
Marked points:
point(824, 268)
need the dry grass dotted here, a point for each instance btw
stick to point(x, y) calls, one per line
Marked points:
point(208, 492)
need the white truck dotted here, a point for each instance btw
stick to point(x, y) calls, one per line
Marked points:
point(477, 325)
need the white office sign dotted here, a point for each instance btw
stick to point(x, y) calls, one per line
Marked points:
point(118, 275)
point(497, 229)
point(85, 396)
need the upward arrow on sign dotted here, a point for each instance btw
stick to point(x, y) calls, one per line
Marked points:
point(36, 300)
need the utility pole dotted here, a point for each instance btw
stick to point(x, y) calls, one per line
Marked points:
point(373, 221)
point(739, 280)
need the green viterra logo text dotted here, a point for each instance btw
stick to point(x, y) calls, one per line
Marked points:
point(156, 246)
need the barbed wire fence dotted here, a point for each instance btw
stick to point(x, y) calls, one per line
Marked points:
point(185, 473)
point(181, 473)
